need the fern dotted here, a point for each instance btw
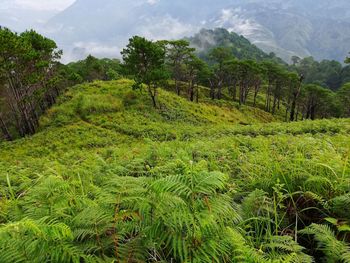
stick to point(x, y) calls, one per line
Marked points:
point(333, 249)
point(285, 249)
point(37, 241)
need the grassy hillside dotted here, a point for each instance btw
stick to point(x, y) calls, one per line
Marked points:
point(110, 179)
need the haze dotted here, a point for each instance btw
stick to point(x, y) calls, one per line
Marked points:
point(103, 27)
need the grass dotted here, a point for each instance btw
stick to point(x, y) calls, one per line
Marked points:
point(281, 178)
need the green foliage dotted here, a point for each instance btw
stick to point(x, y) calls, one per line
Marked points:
point(333, 249)
point(343, 96)
point(109, 178)
point(91, 69)
point(145, 60)
point(329, 74)
point(28, 80)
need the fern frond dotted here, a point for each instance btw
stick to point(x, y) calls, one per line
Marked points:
point(334, 249)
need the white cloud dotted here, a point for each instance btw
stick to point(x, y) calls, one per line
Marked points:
point(165, 27)
point(234, 20)
point(152, 2)
point(80, 50)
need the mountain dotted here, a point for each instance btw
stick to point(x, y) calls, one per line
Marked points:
point(241, 48)
point(301, 28)
point(287, 28)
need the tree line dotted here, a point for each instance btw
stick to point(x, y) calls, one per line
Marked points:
point(28, 82)
point(285, 87)
point(31, 78)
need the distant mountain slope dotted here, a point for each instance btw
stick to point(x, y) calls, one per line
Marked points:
point(291, 27)
point(241, 48)
point(301, 28)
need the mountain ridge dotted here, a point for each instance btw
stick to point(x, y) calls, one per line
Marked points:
point(289, 28)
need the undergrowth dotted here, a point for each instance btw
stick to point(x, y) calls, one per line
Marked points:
point(110, 179)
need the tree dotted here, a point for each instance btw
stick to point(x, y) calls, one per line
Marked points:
point(259, 76)
point(318, 101)
point(219, 56)
point(272, 73)
point(178, 52)
point(347, 60)
point(246, 76)
point(327, 73)
point(295, 60)
point(29, 79)
point(232, 76)
point(295, 83)
point(145, 60)
point(344, 97)
point(193, 67)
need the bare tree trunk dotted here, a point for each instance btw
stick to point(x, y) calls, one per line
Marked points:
point(267, 101)
point(256, 91)
point(296, 95)
point(177, 87)
point(191, 90)
point(274, 104)
point(235, 90)
point(219, 94)
point(212, 90)
point(5, 130)
point(153, 93)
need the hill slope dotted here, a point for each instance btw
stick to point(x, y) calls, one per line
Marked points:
point(115, 106)
point(110, 177)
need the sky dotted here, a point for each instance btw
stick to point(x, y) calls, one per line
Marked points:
point(115, 20)
point(20, 15)
point(38, 5)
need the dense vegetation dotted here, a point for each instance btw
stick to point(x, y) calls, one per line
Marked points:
point(28, 83)
point(327, 73)
point(187, 162)
point(231, 68)
point(111, 179)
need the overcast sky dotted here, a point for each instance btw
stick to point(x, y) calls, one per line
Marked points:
point(20, 15)
point(35, 4)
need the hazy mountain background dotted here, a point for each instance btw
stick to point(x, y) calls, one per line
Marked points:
point(286, 27)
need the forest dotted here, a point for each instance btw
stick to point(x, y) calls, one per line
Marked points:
point(179, 151)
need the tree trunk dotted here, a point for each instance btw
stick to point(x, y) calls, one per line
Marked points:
point(219, 93)
point(191, 91)
point(313, 112)
point(235, 90)
point(292, 109)
point(267, 102)
point(274, 104)
point(212, 90)
point(5, 130)
point(256, 91)
point(294, 102)
point(153, 94)
point(177, 87)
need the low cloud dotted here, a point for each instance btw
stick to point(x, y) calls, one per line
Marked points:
point(234, 20)
point(165, 27)
point(81, 50)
